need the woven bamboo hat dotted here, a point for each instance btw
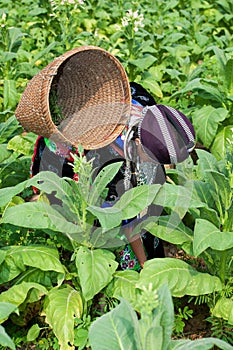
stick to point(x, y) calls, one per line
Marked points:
point(82, 97)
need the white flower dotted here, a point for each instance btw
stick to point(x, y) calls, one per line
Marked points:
point(134, 18)
point(80, 2)
point(135, 14)
point(129, 13)
point(125, 21)
point(4, 16)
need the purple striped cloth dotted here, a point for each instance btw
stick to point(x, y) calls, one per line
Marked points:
point(167, 136)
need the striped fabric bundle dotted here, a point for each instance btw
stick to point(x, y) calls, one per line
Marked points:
point(167, 136)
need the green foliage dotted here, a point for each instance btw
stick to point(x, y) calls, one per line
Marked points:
point(181, 278)
point(62, 306)
point(180, 317)
point(92, 266)
point(182, 53)
point(5, 340)
point(16, 150)
point(95, 269)
point(152, 330)
point(36, 274)
point(221, 329)
point(209, 235)
point(6, 309)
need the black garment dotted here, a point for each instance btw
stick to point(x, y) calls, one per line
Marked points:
point(143, 97)
point(46, 160)
point(140, 95)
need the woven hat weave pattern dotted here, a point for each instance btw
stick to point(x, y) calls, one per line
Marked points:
point(93, 99)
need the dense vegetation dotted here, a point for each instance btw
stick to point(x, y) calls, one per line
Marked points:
point(182, 52)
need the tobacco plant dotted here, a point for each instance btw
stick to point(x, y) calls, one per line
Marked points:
point(36, 275)
point(199, 221)
point(182, 53)
point(15, 152)
point(151, 331)
point(211, 102)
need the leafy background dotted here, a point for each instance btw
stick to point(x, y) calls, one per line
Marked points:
point(182, 52)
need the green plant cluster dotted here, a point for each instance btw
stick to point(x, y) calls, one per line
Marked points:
point(180, 51)
point(61, 284)
point(54, 266)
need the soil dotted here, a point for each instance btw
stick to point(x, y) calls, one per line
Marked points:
point(197, 326)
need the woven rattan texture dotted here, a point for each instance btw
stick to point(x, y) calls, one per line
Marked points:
point(93, 95)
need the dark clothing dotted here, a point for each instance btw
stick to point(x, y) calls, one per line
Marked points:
point(45, 159)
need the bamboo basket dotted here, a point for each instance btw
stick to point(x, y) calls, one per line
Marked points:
point(92, 96)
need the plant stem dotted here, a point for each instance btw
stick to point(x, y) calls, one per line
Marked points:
point(222, 270)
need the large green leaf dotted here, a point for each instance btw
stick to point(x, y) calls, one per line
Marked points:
point(6, 309)
point(10, 94)
point(4, 152)
point(165, 311)
point(8, 128)
point(151, 85)
point(65, 189)
point(182, 279)
point(206, 121)
point(210, 93)
point(125, 285)
point(178, 198)
point(47, 182)
point(224, 309)
point(39, 215)
point(170, 231)
point(2, 256)
point(10, 270)
point(109, 217)
point(207, 235)
point(218, 148)
point(17, 259)
point(191, 85)
point(18, 293)
point(199, 344)
point(101, 181)
point(62, 306)
point(205, 192)
point(5, 340)
point(41, 257)
point(95, 269)
point(221, 186)
point(118, 329)
point(206, 161)
point(7, 193)
point(15, 38)
point(133, 201)
point(47, 278)
point(211, 215)
point(21, 144)
point(145, 62)
point(106, 239)
point(220, 55)
point(229, 76)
